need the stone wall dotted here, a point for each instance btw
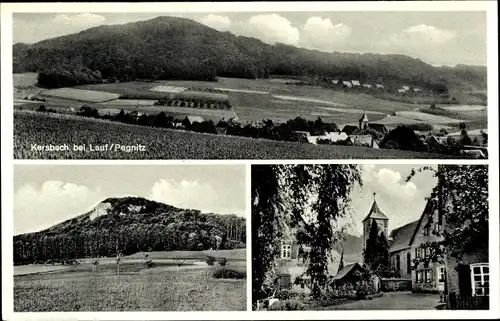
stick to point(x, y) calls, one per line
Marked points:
point(395, 285)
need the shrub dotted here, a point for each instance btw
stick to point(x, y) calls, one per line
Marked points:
point(229, 274)
point(287, 305)
point(222, 261)
point(283, 295)
point(210, 260)
point(150, 264)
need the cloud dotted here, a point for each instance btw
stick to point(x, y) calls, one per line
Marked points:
point(272, 28)
point(55, 201)
point(322, 34)
point(80, 19)
point(422, 35)
point(217, 22)
point(192, 195)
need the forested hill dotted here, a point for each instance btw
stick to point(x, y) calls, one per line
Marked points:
point(171, 47)
point(129, 225)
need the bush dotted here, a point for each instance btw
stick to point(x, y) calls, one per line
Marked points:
point(283, 295)
point(222, 261)
point(287, 305)
point(150, 264)
point(229, 274)
point(210, 260)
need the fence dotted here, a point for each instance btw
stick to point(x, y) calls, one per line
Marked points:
point(468, 303)
point(393, 285)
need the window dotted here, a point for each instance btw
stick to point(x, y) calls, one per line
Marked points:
point(480, 275)
point(286, 251)
point(437, 227)
point(428, 276)
point(398, 264)
point(426, 230)
point(427, 252)
point(408, 262)
point(419, 276)
point(417, 253)
point(441, 274)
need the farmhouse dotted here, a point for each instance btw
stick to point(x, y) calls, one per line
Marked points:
point(333, 136)
point(367, 86)
point(362, 141)
point(379, 86)
point(347, 84)
point(406, 88)
point(401, 91)
point(190, 120)
point(417, 90)
point(356, 83)
point(335, 81)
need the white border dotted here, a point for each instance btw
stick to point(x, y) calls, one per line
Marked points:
point(7, 147)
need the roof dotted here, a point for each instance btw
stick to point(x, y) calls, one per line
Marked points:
point(346, 270)
point(333, 136)
point(194, 119)
point(335, 81)
point(401, 236)
point(378, 127)
point(347, 83)
point(406, 87)
point(367, 85)
point(379, 86)
point(375, 213)
point(349, 129)
point(429, 207)
point(355, 83)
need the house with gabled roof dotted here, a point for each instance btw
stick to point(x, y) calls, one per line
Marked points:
point(346, 84)
point(356, 83)
point(428, 275)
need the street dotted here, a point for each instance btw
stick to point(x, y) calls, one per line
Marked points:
point(393, 301)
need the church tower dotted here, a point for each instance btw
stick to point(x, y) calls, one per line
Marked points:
point(364, 123)
point(380, 218)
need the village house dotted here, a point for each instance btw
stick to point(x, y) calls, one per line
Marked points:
point(362, 141)
point(401, 91)
point(347, 84)
point(190, 120)
point(332, 136)
point(356, 83)
point(367, 86)
point(406, 88)
point(428, 275)
point(379, 86)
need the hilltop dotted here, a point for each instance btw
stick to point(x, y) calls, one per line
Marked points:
point(129, 225)
point(179, 48)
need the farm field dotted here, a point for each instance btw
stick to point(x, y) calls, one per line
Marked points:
point(80, 94)
point(256, 100)
point(35, 128)
point(167, 287)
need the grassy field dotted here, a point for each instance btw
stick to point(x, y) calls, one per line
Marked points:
point(166, 287)
point(36, 128)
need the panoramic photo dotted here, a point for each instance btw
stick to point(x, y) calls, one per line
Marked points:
point(129, 238)
point(250, 85)
point(370, 237)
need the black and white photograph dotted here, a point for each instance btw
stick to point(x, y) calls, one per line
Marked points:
point(129, 238)
point(250, 85)
point(370, 237)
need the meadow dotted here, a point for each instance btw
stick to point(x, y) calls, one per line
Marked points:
point(167, 287)
point(39, 128)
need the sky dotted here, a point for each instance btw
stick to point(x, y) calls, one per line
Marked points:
point(438, 38)
point(403, 202)
point(46, 195)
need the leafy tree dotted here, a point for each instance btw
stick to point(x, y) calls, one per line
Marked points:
point(370, 254)
point(464, 138)
point(461, 196)
point(403, 138)
point(279, 196)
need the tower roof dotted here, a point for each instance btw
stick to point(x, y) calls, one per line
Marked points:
point(364, 117)
point(375, 212)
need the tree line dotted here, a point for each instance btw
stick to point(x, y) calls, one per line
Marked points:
point(107, 235)
point(175, 48)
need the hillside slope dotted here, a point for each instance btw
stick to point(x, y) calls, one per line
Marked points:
point(129, 225)
point(186, 49)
